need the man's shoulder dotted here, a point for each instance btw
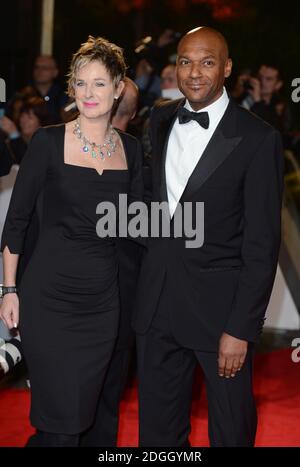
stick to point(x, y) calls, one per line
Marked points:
point(126, 136)
point(165, 107)
point(250, 122)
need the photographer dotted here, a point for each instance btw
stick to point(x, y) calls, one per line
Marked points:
point(33, 114)
point(262, 95)
point(151, 57)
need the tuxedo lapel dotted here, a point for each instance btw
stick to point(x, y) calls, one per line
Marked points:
point(221, 144)
point(165, 129)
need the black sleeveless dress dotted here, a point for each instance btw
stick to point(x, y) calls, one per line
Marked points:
point(69, 292)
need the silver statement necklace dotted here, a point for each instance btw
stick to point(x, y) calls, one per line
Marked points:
point(102, 150)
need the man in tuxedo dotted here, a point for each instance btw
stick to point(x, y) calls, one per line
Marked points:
point(207, 304)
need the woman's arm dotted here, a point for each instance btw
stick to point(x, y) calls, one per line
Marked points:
point(10, 263)
point(30, 181)
point(9, 310)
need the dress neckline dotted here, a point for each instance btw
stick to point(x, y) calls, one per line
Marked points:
point(93, 169)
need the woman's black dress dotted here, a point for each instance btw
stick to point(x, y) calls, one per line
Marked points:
point(69, 295)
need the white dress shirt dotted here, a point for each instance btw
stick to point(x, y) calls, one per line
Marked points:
point(186, 145)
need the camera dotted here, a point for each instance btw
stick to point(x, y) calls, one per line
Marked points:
point(10, 354)
point(247, 85)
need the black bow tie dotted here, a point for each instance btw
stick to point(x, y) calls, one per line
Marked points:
point(185, 116)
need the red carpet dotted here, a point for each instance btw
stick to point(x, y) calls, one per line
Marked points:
point(277, 391)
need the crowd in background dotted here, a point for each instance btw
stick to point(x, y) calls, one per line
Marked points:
point(43, 101)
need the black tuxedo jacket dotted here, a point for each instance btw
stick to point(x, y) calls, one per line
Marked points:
point(225, 285)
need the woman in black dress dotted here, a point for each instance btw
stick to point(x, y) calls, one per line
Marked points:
point(67, 305)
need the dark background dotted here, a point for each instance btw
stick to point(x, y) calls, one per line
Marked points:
point(257, 31)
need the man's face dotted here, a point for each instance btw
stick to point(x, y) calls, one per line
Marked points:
point(168, 79)
point(202, 66)
point(44, 70)
point(269, 81)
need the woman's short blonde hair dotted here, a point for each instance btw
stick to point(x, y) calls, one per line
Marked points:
point(97, 49)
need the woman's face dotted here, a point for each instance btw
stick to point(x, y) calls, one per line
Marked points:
point(95, 91)
point(29, 123)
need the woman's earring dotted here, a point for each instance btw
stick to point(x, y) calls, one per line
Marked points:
point(116, 97)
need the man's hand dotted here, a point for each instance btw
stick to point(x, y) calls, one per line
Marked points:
point(255, 92)
point(7, 125)
point(232, 354)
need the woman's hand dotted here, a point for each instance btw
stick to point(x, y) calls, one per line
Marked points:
point(9, 310)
